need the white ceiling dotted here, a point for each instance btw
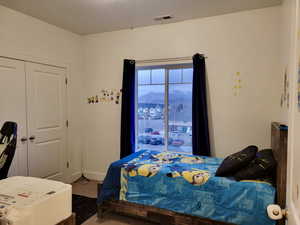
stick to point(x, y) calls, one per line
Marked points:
point(95, 16)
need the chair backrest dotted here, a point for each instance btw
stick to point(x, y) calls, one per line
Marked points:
point(8, 135)
point(8, 131)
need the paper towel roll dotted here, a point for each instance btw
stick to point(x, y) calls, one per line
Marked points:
point(274, 212)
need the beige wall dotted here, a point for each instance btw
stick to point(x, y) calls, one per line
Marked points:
point(246, 42)
point(25, 37)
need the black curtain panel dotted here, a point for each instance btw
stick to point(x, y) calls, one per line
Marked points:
point(200, 138)
point(128, 109)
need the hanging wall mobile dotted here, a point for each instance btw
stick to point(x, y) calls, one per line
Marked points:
point(106, 96)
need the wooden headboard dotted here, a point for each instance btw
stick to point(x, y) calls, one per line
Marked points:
point(279, 137)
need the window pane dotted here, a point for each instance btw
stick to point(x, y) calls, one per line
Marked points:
point(151, 106)
point(180, 118)
point(175, 76)
point(150, 116)
point(158, 76)
point(144, 77)
point(187, 76)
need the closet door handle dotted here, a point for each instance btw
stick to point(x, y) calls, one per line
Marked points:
point(23, 139)
point(31, 138)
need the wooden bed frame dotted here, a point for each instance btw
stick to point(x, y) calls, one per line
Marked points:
point(279, 142)
point(166, 217)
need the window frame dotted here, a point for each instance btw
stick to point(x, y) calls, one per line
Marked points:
point(167, 68)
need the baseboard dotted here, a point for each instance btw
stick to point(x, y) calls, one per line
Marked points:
point(98, 176)
point(75, 176)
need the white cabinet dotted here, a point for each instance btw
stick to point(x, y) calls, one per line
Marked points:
point(34, 96)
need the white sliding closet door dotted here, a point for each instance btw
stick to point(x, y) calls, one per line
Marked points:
point(46, 94)
point(13, 108)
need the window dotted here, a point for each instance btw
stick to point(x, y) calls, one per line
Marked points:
point(159, 127)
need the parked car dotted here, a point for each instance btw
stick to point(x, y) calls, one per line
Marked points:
point(144, 139)
point(141, 117)
point(148, 130)
point(157, 141)
point(155, 117)
point(155, 133)
point(170, 141)
point(177, 142)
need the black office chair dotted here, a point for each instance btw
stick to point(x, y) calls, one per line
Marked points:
point(8, 137)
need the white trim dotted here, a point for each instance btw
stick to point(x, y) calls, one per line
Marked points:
point(186, 58)
point(93, 175)
point(293, 217)
point(165, 60)
point(166, 63)
point(75, 176)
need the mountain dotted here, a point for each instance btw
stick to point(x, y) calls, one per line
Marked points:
point(153, 98)
point(180, 104)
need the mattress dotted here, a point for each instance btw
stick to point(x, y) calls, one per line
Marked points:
point(187, 184)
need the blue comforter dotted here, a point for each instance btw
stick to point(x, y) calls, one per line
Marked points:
point(187, 184)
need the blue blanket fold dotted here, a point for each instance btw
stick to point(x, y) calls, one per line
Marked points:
point(110, 189)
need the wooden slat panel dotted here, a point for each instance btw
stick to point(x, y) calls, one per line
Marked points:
point(279, 145)
point(154, 214)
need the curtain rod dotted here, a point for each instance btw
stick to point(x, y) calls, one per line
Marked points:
point(166, 59)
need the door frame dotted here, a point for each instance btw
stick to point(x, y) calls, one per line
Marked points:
point(17, 55)
point(293, 65)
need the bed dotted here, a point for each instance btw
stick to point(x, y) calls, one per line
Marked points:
point(173, 188)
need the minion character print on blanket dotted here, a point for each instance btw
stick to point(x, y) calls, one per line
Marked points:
point(145, 170)
point(195, 177)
